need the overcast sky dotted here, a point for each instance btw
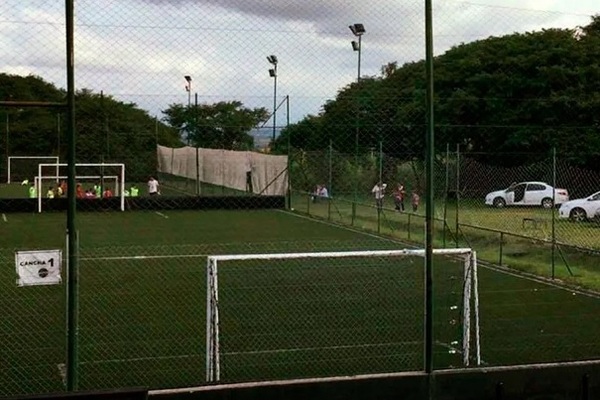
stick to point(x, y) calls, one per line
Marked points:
point(140, 50)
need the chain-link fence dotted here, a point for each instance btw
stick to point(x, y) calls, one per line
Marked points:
point(264, 127)
point(549, 201)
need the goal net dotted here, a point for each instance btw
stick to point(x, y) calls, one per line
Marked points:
point(94, 181)
point(21, 168)
point(285, 316)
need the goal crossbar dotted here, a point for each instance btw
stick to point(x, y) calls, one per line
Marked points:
point(470, 295)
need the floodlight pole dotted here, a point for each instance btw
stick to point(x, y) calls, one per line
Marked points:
point(7, 144)
point(357, 30)
point(197, 151)
point(273, 73)
point(188, 88)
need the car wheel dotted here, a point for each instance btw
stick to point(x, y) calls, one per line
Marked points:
point(578, 214)
point(499, 202)
point(547, 202)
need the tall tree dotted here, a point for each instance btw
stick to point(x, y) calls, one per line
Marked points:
point(106, 129)
point(223, 125)
point(518, 94)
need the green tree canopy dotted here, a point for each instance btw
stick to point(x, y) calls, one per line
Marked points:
point(106, 129)
point(520, 93)
point(223, 125)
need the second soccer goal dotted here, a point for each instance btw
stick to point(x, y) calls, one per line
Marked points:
point(295, 315)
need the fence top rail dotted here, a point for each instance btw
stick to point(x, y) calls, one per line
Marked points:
point(82, 165)
point(336, 254)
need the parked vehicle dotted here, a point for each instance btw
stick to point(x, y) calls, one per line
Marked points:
point(580, 209)
point(527, 194)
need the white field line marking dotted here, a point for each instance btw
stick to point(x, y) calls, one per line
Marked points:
point(480, 262)
point(300, 349)
point(4, 217)
point(161, 214)
point(119, 360)
point(347, 228)
point(116, 258)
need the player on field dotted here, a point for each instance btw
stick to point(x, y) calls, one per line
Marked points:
point(32, 191)
point(153, 187)
point(79, 192)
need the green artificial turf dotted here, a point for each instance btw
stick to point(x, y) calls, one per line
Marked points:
point(142, 299)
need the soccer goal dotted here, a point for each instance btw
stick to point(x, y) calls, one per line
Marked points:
point(341, 313)
point(108, 175)
point(21, 168)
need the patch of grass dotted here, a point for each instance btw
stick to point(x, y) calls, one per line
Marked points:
point(498, 235)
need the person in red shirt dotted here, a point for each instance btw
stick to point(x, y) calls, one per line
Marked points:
point(79, 192)
point(107, 193)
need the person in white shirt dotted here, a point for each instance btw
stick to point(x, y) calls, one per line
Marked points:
point(153, 187)
point(323, 192)
point(379, 192)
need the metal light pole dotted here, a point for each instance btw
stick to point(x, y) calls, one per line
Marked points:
point(357, 30)
point(188, 89)
point(273, 73)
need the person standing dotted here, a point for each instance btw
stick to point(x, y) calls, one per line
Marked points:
point(32, 191)
point(399, 197)
point(415, 201)
point(98, 190)
point(379, 192)
point(153, 187)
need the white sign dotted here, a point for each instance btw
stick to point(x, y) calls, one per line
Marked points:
point(39, 267)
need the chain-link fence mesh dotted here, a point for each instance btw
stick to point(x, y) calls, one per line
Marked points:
point(196, 125)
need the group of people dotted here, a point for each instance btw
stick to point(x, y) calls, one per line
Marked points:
point(94, 192)
point(320, 192)
point(399, 195)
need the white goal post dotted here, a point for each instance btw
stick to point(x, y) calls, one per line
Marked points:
point(470, 295)
point(119, 179)
point(11, 159)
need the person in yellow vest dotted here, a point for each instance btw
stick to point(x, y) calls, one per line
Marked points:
point(134, 191)
point(32, 191)
point(50, 193)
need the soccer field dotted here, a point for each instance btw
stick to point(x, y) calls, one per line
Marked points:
point(142, 298)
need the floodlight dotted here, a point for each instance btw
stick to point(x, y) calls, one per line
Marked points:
point(272, 73)
point(357, 29)
point(272, 59)
point(188, 78)
point(355, 45)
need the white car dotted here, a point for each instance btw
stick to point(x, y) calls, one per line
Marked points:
point(580, 209)
point(527, 194)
